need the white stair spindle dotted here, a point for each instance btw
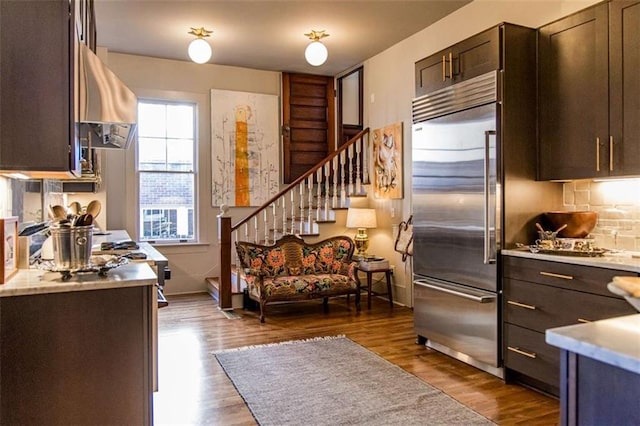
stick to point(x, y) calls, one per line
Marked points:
point(266, 227)
point(350, 186)
point(334, 179)
point(293, 210)
point(366, 163)
point(255, 229)
point(343, 188)
point(318, 192)
point(327, 189)
point(358, 184)
point(301, 188)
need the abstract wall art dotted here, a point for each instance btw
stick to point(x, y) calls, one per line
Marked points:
point(244, 147)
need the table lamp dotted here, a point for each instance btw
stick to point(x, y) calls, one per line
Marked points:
point(361, 219)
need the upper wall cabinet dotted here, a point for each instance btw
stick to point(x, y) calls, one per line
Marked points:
point(38, 136)
point(470, 58)
point(589, 93)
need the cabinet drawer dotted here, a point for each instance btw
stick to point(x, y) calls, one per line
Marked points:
point(539, 307)
point(527, 352)
point(587, 279)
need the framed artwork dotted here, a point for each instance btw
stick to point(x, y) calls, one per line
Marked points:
point(245, 148)
point(9, 247)
point(387, 161)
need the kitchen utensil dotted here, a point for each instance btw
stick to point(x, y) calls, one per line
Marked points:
point(561, 228)
point(540, 228)
point(579, 224)
point(83, 220)
point(58, 212)
point(93, 208)
point(75, 208)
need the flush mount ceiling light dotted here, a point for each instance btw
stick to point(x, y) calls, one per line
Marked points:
point(199, 49)
point(316, 52)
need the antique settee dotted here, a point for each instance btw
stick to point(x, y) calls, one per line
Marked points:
point(292, 269)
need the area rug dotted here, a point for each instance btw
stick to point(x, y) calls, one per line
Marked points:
point(335, 381)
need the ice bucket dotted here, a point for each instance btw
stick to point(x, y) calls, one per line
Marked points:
point(71, 246)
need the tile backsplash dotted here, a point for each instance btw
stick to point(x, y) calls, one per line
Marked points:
point(618, 205)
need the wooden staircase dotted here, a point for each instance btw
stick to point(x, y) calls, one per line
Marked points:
point(301, 208)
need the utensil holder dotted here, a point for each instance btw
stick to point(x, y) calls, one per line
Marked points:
point(72, 247)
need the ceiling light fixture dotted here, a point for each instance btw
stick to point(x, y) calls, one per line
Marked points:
point(316, 52)
point(199, 49)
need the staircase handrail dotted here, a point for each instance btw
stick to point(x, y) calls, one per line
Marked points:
point(301, 178)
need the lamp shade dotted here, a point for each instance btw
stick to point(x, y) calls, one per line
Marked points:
point(199, 51)
point(316, 53)
point(361, 218)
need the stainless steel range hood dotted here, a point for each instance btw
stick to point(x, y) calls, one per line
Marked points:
point(108, 109)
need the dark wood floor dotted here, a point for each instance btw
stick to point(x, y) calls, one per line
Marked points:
point(195, 390)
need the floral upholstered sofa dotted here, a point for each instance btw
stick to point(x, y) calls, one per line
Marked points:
point(292, 269)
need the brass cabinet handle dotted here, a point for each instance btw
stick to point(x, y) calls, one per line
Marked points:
point(521, 305)
point(444, 68)
point(611, 153)
point(551, 274)
point(583, 320)
point(451, 65)
point(521, 352)
point(597, 154)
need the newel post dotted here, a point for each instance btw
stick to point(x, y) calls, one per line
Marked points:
point(224, 240)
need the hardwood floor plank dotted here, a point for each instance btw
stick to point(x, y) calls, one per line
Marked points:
point(195, 390)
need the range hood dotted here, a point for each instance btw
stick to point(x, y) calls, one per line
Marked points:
point(108, 109)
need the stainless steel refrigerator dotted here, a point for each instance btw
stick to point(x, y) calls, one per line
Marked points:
point(459, 178)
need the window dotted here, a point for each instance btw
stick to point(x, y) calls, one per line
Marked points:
point(166, 171)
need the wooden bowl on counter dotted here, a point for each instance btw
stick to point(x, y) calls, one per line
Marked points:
point(579, 224)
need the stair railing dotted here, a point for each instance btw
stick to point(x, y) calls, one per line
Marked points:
point(298, 207)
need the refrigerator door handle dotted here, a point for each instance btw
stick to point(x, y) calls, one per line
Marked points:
point(488, 257)
point(479, 299)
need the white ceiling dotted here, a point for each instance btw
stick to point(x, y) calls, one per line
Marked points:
point(267, 35)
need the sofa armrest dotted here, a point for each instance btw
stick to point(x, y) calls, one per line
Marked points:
point(349, 269)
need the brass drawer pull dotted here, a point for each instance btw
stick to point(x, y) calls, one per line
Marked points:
point(551, 274)
point(597, 148)
point(531, 355)
point(521, 305)
point(444, 68)
point(611, 153)
point(583, 320)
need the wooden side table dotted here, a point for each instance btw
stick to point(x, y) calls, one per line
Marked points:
point(387, 272)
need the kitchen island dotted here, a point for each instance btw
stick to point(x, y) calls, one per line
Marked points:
point(600, 371)
point(77, 350)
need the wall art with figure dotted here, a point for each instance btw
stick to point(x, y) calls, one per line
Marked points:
point(387, 161)
point(244, 148)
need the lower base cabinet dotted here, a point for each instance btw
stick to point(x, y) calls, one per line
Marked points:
point(539, 295)
point(79, 357)
point(596, 393)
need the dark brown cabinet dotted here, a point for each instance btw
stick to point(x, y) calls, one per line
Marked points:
point(470, 58)
point(539, 295)
point(588, 93)
point(38, 134)
point(624, 87)
point(78, 357)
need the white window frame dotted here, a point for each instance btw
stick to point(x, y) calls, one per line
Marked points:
point(194, 172)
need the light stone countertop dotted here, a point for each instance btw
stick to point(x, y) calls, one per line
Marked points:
point(35, 281)
point(621, 261)
point(614, 341)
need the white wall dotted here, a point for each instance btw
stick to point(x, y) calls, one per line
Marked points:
point(178, 80)
point(389, 89)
